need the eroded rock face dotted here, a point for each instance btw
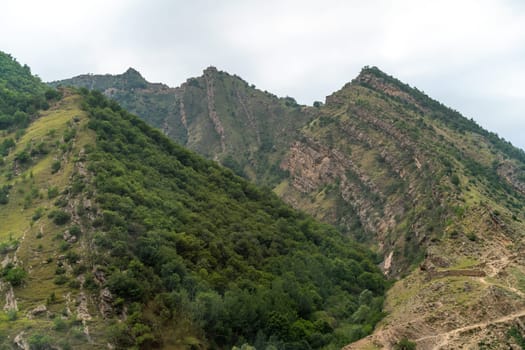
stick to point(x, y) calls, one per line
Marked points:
point(311, 166)
point(106, 299)
point(513, 174)
point(82, 308)
point(37, 311)
point(21, 342)
point(212, 111)
point(10, 300)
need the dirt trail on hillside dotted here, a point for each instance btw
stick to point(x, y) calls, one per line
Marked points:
point(439, 340)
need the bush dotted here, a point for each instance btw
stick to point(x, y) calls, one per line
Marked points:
point(22, 157)
point(61, 279)
point(59, 217)
point(52, 94)
point(405, 344)
point(75, 284)
point(75, 230)
point(52, 192)
point(55, 167)
point(15, 276)
point(39, 342)
point(125, 286)
point(59, 324)
point(12, 315)
point(4, 194)
point(472, 236)
point(38, 214)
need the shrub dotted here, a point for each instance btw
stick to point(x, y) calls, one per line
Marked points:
point(405, 344)
point(75, 284)
point(15, 276)
point(59, 324)
point(22, 157)
point(12, 315)
point(75, 230)
point(61, 279)
point(52, 94)
point(125, 286)
point(4, 194)
point(39, 342)
point(38, 214)
point(472, 236)
point(55, 167)
point(59, 217)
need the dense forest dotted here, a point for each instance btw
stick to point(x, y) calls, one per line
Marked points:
point(188, 241)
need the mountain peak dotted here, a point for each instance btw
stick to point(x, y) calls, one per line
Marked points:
point(132, 71)
point(371, 77)
point(376, 78)
point(133, 74)
point(210, 70)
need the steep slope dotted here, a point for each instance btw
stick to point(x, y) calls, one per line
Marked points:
point(409, 167)
point(440, 198)
point(430, 188)
point(218, 115)
point(112, 234)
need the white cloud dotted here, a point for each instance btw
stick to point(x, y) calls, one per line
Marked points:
point(465, 53)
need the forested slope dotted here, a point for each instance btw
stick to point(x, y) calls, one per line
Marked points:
point(112, 233)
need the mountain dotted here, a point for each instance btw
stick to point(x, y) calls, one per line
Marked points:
point(440, 198)
point(217, 115)
point(434, 191)
point(112, 235)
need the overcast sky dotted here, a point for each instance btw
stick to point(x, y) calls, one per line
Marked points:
point(469, 54)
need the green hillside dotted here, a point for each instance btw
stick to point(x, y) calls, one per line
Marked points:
point(438, 197)
point(21, 94)
point(112, 233)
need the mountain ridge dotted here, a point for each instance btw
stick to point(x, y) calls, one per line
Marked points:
point(437, 196)
point(241, 135)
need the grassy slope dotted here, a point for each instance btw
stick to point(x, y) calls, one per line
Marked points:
point(40, 240)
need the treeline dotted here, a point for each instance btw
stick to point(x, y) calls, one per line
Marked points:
point(186, 242)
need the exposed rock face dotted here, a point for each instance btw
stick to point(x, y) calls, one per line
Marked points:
point(216, 114)
point(513, 174)
point(311, 166)
point(37, 311)
point(212, 112)
point(82, 308)
point(183, 117)
point(105, 303)
point(10, 300)
point(20, 342)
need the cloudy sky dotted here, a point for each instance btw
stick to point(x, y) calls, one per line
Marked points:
point(469, 54)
